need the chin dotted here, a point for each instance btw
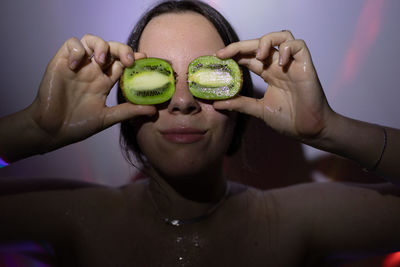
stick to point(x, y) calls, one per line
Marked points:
point(184, 166)
point(178, 173)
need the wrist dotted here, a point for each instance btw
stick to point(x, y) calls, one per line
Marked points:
point(20, 137)
point(43, 139)
point(325, 139)
point(356, 140)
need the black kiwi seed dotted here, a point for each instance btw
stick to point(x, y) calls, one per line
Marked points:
point(148, 81)
point(210, 77)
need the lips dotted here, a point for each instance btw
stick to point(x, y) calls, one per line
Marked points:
point(183, 135)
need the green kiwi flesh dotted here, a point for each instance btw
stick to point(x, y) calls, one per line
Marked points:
point(148, 81)
point(212, 78)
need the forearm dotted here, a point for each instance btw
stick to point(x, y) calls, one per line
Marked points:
point(364, 143)
point(20, 137)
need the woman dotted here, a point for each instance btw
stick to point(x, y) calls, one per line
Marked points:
point(187, 214)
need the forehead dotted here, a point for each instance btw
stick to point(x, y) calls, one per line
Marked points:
point(185, 34)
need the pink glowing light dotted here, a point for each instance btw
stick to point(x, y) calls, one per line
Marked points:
point(392, 260)
point(365, 35)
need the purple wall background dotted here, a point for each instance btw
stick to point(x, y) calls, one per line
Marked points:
point(354, 45)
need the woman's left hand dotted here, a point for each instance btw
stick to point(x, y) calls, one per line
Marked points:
point(294, 103)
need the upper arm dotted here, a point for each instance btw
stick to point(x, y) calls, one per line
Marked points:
point(34, 216)
point(346, 218)
point(38, 209)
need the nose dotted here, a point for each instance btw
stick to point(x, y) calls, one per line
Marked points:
point(183, 102)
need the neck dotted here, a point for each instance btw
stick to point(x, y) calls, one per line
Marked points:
point(185, 197)
point(205, 186)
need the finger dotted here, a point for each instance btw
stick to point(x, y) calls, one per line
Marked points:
point(252, 64)
point(126, 111)
point(257, 66)
point(242, 47)
point(117, 67)
point(75, 52)
point(269, 41)
point(123, 52)
point(97, 46)
point(140, 55)
point(295, 49)
point(243, 104)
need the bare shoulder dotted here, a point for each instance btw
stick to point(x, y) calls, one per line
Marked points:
point(315, 194)
point(341, 217)
point(52, 206)
point(305, 202)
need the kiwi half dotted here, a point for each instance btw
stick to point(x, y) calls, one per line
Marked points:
point(210, 77)
point(148, 81)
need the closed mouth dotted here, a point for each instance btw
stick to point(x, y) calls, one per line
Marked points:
point(183, 135)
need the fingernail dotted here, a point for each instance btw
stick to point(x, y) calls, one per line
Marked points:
point(130, 57)
point(280, 60)
point(102, 58)
point(73, 64)
point(258, 54)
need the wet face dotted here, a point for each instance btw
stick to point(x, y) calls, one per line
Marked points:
point(188, 136)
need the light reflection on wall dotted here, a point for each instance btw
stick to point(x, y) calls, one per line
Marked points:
point(365, 35)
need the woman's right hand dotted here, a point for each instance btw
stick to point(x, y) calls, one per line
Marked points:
point(71, 102)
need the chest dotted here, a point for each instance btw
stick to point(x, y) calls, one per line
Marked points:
point(242, 238)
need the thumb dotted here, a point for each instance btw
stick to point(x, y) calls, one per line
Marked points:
point(126, 111)
point(242, 104)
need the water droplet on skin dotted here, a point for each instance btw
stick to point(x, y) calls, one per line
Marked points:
point(175, 222)
point(305, 67)
point(196, 241)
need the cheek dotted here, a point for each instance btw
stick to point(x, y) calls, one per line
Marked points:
point(224, 124)
point(145, 137)
point(231, 123)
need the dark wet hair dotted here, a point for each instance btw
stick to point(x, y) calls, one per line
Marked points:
point(128, 140)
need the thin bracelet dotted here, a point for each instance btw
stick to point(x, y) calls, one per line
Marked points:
point(383, 151)
point(3, 163)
